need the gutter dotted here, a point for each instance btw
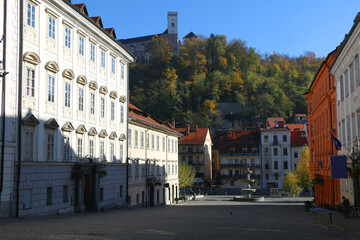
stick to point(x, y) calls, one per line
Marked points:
point(18, 169)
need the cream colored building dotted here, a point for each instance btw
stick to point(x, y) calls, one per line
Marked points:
point(152, 160)
point(345, 68)
point(73, 88)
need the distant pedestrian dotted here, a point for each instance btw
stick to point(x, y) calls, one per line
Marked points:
point(193, 193)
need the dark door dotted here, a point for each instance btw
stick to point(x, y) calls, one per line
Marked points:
point(87, 201)
point(142, 199)
point(151, 196)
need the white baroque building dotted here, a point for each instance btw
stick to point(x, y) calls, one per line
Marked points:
point(73, 85)
point(346, 69)
point(153, 160)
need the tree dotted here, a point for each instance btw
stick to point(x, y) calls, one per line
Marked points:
point(186, 175)
point(302, 170)
point(291, 184)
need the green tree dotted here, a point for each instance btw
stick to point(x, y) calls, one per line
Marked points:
point(302, 170)
point(291, 184)
point(186, 175)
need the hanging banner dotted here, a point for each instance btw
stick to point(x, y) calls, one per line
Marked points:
point(338, 166)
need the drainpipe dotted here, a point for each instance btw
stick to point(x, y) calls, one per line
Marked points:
point(3, 74)
point(18, 170)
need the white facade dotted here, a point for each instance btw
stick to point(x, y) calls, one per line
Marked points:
point(74, 84)
point(153, 164)
point(347, 80)
point(275, 153)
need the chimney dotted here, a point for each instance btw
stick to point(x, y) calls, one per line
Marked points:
point(193, 128)
point(187, 129)
point(173, 123)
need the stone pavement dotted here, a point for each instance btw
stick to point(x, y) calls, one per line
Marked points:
point(213, 217)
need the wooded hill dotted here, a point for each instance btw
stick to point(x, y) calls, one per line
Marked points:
point(210, 70)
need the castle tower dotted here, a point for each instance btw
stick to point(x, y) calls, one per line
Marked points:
point(172, 22)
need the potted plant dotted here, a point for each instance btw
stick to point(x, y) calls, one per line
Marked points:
point(177, 200)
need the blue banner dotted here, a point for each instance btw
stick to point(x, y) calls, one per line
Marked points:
point(338, 166)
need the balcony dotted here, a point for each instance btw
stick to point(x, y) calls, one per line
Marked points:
point(239, 165)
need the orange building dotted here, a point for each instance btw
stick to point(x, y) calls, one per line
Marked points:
point(322, 120)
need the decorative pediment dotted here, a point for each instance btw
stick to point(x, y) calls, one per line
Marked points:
point(122, 99)
point(122, 137)
point(67, 127)
point(81, 80)
point(103, 133)
point(69, 74)
point(112, 135)
point(113, 94)
point(103, 90)
point(93, 85)
point(51, 123)
point(31, 57)
point(92, 131)
point(30, 120)
point(81, 129)
point(52, 66)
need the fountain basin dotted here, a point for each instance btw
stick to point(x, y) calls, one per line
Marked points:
point(248, 190)
point(244, 198)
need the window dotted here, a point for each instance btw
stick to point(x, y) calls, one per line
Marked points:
point(112, 111)
point(267, 165)
point(147, 140)
point(342, 88)
point(172, 145)
point(285, 165)
point(296, 154)
point(284, 138)
point(164, 142)
point(266, 138)
point(92, 103)
point(102, 107)
point(67, 37)
point(136, 138)
point(157, 143)
point(142, 139)
point(230, 173)
point(81, 45)
point(67, 94)
point(112, 151)
point(30, 82)
point(346, 81)
point(113, 66)
point(357, 72)
point(267, 176)
point(92, 52)
point(353, 132)
point(275, 151)
point(266, 151)
point(351, 77)
point(276, 165)
point(122, 71)
point(276, 175)
point(51, 27)
point(129, 137)
point(66, 148)
point(50, 147)
point(152, 141)
point(51, 89)
point(29, 145)
point(91, 148)
point(65, 194)
point(81, 99)
point(275, 138)
point(103, 61)
point(348, 129)
point(102, 150)
point(122, 114)
point(169, 146)
point(80, 148)
point(49, 196)
point(285, 152)
point(121, 152)
point(31, 15)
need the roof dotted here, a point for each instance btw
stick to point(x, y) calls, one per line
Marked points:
point(190, 35)
point(347, 37)
point(138, 39)
point(237, 140)
point(298, 138)
point(137, 115)
point(273, 121)
point(194, 137)
point(300, 115)
point(296, 126)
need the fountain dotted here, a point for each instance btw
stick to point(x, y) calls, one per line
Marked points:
point(248, 191)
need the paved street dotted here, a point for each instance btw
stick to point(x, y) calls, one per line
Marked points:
point(213, 217)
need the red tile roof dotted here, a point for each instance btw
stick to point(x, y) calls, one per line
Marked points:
point(194, 137)
point(298, 138)
point(300, 115)
point(138, 115)
point(272, 121)
point(295, 126)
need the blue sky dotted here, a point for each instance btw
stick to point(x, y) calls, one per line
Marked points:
point(288, 27)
